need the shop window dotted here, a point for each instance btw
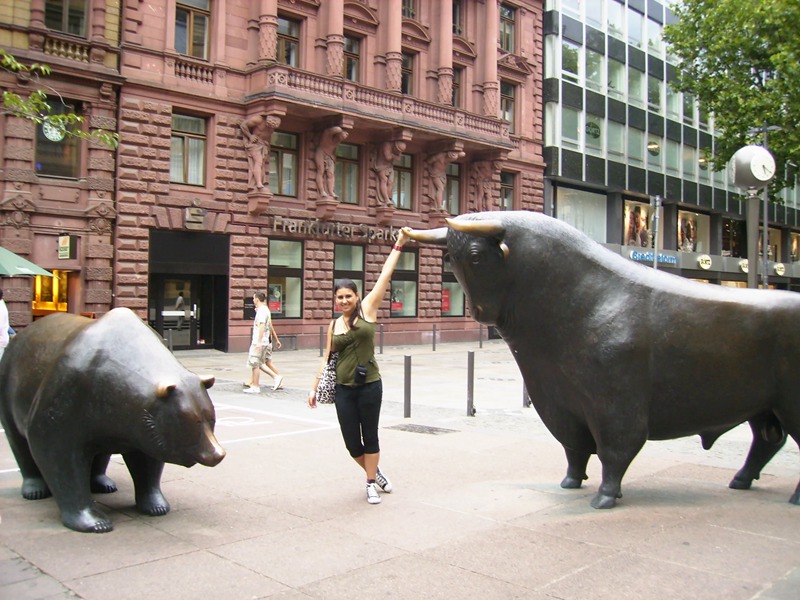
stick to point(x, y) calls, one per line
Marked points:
point(404, 286)
point(67, 16)
point(57, 153)
point(508, 16)
point(288, 41)
point(734, 238)
point(403, 180)
point(346, 186)
point(348, 263)
point(188, 150)
point(285, 282)
point(452, 292)
point(795, 246)
point(283, 164)
point(452, 189)
point(508, 91)
point(458, 17)
point(636, 224)
point(407, 74)
point(583, 210)
point(352, 58)
point(507, 187)
point(191, 28)
point(50, 293)
point(409, 9)
point(694, 232)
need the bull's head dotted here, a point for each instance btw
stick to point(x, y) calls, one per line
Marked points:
point(477, 254)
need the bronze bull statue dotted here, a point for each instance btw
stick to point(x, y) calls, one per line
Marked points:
point(614, 353)
point(73, 391)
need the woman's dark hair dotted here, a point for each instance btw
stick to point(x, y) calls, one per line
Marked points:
point(262, 297)
point(350, 285)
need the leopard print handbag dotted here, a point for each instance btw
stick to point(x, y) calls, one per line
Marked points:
point(326, 388)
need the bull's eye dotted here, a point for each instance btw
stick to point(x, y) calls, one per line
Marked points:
point(474, 256)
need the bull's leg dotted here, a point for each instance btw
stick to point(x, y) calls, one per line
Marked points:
point(146, 473)
point(100, 482)
point(617, 446)
point(576, 468)
point(768, 438)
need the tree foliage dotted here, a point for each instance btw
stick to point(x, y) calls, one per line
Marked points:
point(37, 107)
point(741, 60)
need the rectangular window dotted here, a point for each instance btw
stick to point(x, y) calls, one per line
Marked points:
point(673, 157)
point(635, 146)
point(570, 53)
point(636, 223)
point(452, 293)
point(191, 28)
point(635, 28)
point(285, 281)
point(458, 17)
point(615, 139)
point(188, 150)
point(283, 164)
point(507, 93)
point(616, 19)
point(348, 263)
point(352, 58)
point(507, 28)
point(458, 73)
point(403, 179)
point(288, 41)
point(688, 109)
point(654, 152)
point(594, 134)
point(654, 93)
point(673, 103)
point(403, 301)
point(346, 186)
point(689, 162)
point(58, 154)
point(654, 45)
point(67, 16)
point(586, 211)
point(452, 189)
point(409, 9)
point(570, 127)
point(635, 87)
point(507, 186)
point(594, 70)
point(407, 74)
point(616, 78)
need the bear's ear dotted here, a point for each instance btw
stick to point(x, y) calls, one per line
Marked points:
point(207, 380)
point(164, 388)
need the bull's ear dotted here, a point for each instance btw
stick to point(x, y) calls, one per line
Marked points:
point(164, 388)
point(207, 380)
point(504, 248)
point(436, 236)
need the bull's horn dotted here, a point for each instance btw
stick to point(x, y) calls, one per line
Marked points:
point(481, 228)
point(164, 388)
point(431, 236)
point(207, 380)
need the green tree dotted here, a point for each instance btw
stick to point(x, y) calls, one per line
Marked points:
point(37, 108)
point(741, 60)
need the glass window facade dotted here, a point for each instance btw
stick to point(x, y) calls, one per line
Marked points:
point(285, 281)
point(188, 150)
point(403, 300)
point(283, 164)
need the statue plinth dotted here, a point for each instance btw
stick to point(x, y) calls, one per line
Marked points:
point(385, 213)
point(258, 201)
point(325, 207)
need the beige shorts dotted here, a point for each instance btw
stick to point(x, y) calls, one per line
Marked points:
point(254, 359)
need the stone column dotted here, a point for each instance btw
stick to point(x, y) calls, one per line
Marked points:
point(98, 33)
point(37, 14)
point(394, 46)
point(268, 31)
point(491, 85)
point(335, 39)
point(445, 52)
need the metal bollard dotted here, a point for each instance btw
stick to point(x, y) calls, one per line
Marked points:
point(169, 340)
point(480, 336)
point(321, 340)
point(470, 383)
point(434, 337)
point(407, 387)
point(381, 350)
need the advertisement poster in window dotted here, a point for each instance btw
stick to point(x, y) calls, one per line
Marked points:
point(275, 298)
point(445, 300)
point(397, 300)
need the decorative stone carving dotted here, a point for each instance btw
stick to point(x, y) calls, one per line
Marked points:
point(383, 164)
point(257, 134)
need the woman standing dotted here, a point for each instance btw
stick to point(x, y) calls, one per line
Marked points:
point(359, 390)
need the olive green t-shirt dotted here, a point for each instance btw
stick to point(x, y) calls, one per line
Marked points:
point(356, 347)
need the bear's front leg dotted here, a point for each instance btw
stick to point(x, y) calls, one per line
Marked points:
point(146, 473)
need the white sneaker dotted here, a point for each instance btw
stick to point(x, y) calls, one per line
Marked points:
point(383, 482)
point(278, 382)
point(252, 390)
point(372, 494)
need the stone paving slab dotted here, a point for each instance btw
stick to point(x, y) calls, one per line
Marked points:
point(477, 511)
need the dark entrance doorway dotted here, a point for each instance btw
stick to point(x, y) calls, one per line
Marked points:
point(188, 288)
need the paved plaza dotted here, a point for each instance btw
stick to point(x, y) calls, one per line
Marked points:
point(476, 511)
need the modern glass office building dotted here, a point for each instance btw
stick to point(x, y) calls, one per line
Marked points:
point(618, 136)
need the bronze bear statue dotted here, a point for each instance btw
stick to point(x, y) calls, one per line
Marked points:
point(74, 390)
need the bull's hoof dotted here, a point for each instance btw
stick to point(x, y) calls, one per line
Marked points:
point(603, 501)
point(88, 520)
point(740, 483)
point(153, 504)
point(571, 483)
point(34, 488)
point(102, 484)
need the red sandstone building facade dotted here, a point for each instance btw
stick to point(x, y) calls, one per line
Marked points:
point(274, 145)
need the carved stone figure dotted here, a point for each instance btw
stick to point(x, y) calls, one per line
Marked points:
point(483, 172)
point(325, 160)
point(385, 156)
point(74, 390)
point(257, 132)
point(614, 353)
point(437, 170)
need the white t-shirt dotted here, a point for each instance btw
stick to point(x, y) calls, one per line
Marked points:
point(3, 324)
point(262, 316)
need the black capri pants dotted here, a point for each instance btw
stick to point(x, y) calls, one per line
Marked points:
point(359, 410)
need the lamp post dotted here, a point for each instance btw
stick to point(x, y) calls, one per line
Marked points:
point(655, 202)
point(752, 168)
